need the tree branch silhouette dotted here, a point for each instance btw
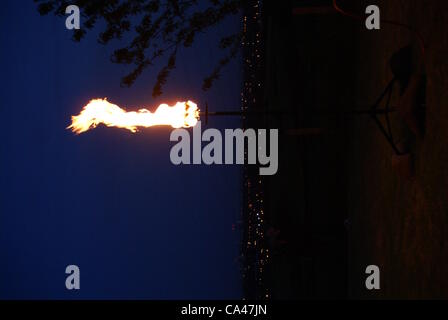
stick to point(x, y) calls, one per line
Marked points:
point(163, 28)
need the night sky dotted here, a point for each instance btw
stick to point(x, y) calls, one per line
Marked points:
point(108, 200)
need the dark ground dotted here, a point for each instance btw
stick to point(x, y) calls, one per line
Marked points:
point(337, 201)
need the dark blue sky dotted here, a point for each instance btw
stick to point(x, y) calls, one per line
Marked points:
point(108, 200)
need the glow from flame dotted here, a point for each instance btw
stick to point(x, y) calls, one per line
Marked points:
point(182, 114)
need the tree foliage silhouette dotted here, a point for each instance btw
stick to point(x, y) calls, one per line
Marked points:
point(163, 28)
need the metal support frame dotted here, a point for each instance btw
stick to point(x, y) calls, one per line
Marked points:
point(374, 112)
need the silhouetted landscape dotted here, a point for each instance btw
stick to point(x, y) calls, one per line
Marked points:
point(339, 201)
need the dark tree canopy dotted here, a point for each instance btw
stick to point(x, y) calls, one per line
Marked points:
point(164, 27)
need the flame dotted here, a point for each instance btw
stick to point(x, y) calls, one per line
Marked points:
point(182, 114)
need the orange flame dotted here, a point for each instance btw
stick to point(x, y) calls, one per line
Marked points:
point(182, 114)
